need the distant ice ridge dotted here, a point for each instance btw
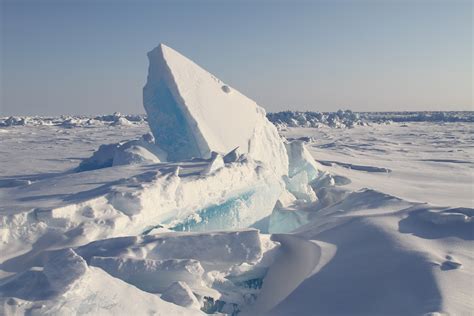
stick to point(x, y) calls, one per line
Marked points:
point(339, 119)
point(425, 116)
point(348, 119)
point(67, 121)
point(280, 119)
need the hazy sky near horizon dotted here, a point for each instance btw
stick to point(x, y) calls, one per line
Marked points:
point(89, 57)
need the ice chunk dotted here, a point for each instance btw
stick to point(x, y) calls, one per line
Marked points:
point(138, 151)
point(302, 171)
point(179, 293)
point(122, 121)
point(216, 162)
point(101, 158)
point(236, 211)
point(151, 275)
point(133, 154)
point(331, 195)
point(285, 200)
point(299, 186)
point(191, 114)
point(63, 268)
point(300, 160)
point(233, 155)
point(229, 247)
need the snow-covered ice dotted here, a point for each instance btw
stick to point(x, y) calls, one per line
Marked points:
point(215, 212)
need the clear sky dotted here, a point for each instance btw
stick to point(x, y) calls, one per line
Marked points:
point(89, 57)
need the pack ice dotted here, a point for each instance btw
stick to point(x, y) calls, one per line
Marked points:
point(215, 213)
point(214, 162)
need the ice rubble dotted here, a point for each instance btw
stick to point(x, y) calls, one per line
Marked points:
point(151, 275)
point(223, 192)
point(200, 265)
point(349, 119)
point(139, 151)
point(179, 293)
point(186, 106)
point(406, 258)
point(70, 287)
point(233, 174)
point(199, 172)
point(178, 197)
point(339, 119)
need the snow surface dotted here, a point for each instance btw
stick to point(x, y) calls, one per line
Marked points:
point(371, 220)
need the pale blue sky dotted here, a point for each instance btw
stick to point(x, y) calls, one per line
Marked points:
point(89, 57)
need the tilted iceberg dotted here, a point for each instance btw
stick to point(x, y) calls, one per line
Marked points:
point(191, 113)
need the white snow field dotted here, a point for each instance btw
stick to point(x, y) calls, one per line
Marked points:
point(205, 207)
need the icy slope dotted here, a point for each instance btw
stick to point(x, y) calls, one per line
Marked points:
point(192, 113)
point(373, 254)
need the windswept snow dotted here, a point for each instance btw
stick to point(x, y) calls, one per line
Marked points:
point(214, 212)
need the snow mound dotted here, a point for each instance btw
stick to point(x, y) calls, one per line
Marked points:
point(141, 151)
point(212, 248)
point(95, 293)
point(63, 268)
point(150, 275)
point(191, 114)
point(450, 216)
point(303, 170)
point(135, 199)
point(179, 293)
